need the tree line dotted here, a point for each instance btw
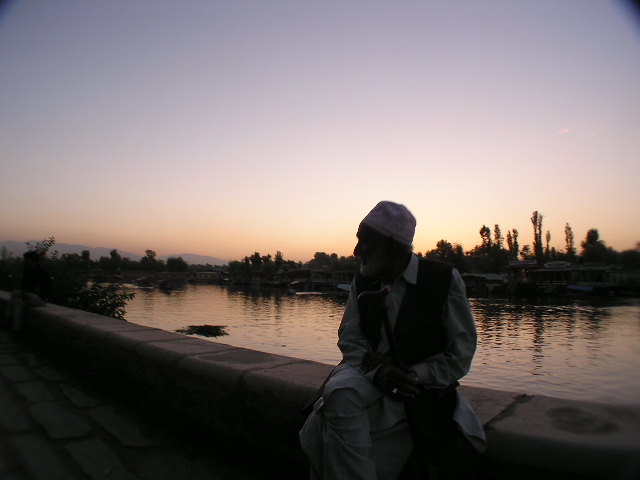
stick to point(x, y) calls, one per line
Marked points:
point(148, 263)
point(496, 250)
point(492, 255)
point(267, 265)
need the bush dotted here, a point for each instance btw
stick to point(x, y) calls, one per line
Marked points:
point(70, 282)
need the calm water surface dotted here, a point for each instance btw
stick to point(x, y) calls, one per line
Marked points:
point(577, 349)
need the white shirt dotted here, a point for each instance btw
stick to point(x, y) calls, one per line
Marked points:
point(459, 328)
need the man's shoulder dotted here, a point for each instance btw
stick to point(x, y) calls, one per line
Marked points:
point(429, 264)
point(434, 274)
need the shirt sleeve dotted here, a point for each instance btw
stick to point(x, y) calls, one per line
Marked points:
point(351, 339)
point(460, 330)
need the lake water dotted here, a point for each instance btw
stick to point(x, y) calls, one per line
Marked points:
point(586, 349)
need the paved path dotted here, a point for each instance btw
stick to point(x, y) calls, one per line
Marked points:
point(58, 425)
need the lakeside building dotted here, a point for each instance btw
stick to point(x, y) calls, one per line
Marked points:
point(559, 277)
point(523, 278)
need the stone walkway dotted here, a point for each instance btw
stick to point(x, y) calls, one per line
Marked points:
point(57, 425)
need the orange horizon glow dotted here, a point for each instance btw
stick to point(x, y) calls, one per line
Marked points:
point(303, 248)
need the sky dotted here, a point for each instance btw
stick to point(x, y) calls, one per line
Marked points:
point(228, 127)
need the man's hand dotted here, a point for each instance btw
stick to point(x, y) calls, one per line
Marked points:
point(372, 359)
point(396, 382)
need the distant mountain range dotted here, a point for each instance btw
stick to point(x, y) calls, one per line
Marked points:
point(18, 248)
point(196, 259)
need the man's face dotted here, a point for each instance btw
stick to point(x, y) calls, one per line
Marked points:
point(372, 250)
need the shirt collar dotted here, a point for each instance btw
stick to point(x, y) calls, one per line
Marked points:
point(410, 273)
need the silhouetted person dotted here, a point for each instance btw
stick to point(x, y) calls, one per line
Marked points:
point(35, 288)
point(35, 278)
point(407, 336)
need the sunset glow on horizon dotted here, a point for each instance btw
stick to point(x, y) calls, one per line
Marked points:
point(224, 128)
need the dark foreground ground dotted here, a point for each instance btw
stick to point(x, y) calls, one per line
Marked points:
point(58, 423)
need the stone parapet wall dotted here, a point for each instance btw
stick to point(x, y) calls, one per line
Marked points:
point(255, 398)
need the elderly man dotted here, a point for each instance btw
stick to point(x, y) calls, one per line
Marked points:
point(407, 336)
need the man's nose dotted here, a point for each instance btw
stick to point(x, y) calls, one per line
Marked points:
point(360, 249)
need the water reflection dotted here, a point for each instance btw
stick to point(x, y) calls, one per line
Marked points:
point(563, 348)
point(576, 349)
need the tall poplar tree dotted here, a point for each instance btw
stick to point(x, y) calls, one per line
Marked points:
point(536, 220)
point(497, 236)
point(512, 242)
point(570, 248)
point(547, 241)
point(485, 233)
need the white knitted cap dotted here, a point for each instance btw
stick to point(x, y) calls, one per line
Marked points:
point(392, 220)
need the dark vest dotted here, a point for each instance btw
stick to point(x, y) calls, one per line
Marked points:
point(418, 332)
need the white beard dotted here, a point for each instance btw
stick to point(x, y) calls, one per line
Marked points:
point(373, 266)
